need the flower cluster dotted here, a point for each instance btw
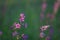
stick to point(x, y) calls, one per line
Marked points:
point(51, 31)
point(18, 25)
point(43, 8)
point(42, 29)
point(22, 17)
point(50, 17)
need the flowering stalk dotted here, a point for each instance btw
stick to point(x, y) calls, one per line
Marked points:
point(44, 5)
point(18, 26)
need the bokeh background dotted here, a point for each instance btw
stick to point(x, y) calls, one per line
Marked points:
point(11, 9)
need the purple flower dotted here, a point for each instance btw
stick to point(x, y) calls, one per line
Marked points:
point(0, 32)
point(11, 27)
point(51, 31)
point(14, 33)
point(25, 36)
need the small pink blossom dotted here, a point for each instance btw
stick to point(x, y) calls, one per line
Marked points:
point(42, 35)
point(18, 25)
point(21, 14)
point(43, 28)
point(22, 17)
point(56, 5)
point(44, 5)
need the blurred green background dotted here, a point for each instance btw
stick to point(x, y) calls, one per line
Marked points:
point(9, 13)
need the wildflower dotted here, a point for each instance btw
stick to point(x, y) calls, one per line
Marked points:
point(56, 5)
point(42, 35)
point(14, 33)
point(44, 27)
point(24, 36)
point(51, 31)
point(18, 25)
point(44, 6)
point(22, 17)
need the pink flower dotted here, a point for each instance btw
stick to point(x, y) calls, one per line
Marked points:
point(42, 35)
point(44, 6)
point(21, 14)
point(43, 28)
point(18, 25)
point(56, 5)
point(22, 17)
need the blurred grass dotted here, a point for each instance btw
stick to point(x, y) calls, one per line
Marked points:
point(9, 13)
